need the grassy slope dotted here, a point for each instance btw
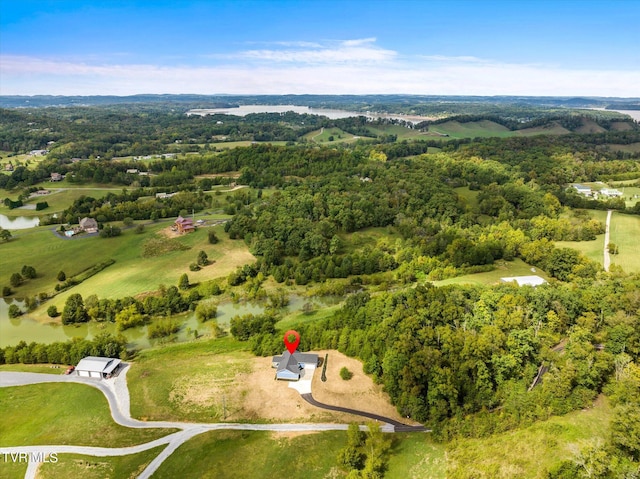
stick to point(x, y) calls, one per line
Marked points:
point(63, 414)
point(130, 275)
point(624, 232)
point(255, 455)
point(416, 456)
point(528, 452)
point(151, 380)
point(58, 200)
point(516, 267)
point(471, 129)
point(90, 467)
point(12, 470)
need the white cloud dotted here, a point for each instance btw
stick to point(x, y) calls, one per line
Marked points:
point(361, 50)
point(298, 72)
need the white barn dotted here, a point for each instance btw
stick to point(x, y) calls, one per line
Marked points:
point(525, 280)
point(97, 367)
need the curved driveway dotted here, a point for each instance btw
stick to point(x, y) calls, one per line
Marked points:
point(117, 394)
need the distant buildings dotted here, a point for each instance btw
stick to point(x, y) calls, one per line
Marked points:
point(582, 189)
point(610, 192)
point(56, 177)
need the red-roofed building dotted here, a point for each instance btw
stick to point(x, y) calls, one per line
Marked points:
point(184, 225)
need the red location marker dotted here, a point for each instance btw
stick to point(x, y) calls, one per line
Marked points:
point(291, 345)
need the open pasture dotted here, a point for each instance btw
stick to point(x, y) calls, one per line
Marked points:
point(132, 273)
point(64, 413)
point(624, 232)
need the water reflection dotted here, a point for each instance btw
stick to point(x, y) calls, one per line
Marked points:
point(25, 328)
point(19, 222)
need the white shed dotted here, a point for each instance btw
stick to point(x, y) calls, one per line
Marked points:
point(525, 280)
point(97, 367)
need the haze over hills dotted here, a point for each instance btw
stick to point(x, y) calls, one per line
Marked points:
point(224, 100)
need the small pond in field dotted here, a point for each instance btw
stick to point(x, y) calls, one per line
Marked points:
point(24, 328)
point(18, 222)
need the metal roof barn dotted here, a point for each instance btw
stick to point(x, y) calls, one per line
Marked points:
point(97, 367)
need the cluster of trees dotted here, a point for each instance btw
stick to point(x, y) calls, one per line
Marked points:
point(128, 311)
point(69, 352)
point(445, 353)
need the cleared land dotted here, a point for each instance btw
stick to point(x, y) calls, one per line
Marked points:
point(225, 382)
point(516, 267)
point(624, 232)
point(91, 467)
point(63, 414)
point(58, 200)
point(323, 135)
point(528, 452)
point(132, 273)
point(416, 456)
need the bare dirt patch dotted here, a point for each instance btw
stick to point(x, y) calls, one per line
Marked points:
point(359, 392)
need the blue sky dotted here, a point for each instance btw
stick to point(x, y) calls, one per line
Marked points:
point(561, 47)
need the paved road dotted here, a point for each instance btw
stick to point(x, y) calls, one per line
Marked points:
point(607, 259)
point(117, 394)
point(397, 425)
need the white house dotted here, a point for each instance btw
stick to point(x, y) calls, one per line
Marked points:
point(610, 192)
point(288, 366)
point(525, 280)
point(97, 367)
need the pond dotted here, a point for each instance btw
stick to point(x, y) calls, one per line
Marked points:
point(27, 329)
point(18, 222)
point(244, 110)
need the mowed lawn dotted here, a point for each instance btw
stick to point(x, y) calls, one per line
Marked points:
point(256, 455)
point(265, 455)
point(92, 467)
point(517, 267)
point(64, 413)
point(131, 274)
point(530, 452)
point(156, 374)
point(625, 233)
point(58, 200)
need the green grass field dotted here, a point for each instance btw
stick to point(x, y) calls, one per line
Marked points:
point(470, 197)
point(255, 455)
point(156, 376)
point(625, 232)
point(416, 456)
point(91, 467)
point(12, 470)
point(58, 200)
point(57, 413)
point(527, 453)
point(516, 267)
point(401, 132)
point(34, 368)
point(130, 275)
point(323, 135)
point(471, 129)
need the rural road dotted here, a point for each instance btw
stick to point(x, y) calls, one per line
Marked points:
point(607, 258)
point(117, 394)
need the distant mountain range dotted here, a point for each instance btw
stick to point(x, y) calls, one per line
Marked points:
point(361, 102)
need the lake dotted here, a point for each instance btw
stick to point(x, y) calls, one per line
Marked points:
point(244, 110)
point(27, 329)
point(19, 222)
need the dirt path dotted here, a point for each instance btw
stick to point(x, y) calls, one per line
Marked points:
point(607, 258)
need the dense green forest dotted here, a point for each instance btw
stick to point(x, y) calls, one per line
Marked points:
point(460, 358)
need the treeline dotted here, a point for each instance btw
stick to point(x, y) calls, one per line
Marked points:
point(68, 352)
point(449, 352)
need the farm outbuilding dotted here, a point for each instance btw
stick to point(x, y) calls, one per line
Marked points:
point(97, 367)
point(525, 280)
